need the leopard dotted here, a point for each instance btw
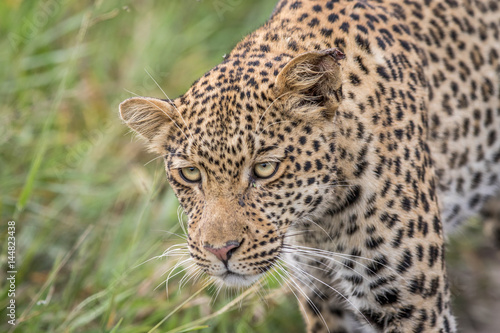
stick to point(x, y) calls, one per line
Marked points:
point(342, 141)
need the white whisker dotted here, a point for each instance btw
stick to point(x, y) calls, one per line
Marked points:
point(311, 303)
point(180, 211)
point(173, 104)
point(275, 123)
point(173, 233)
point(346, 256)
point(269, 107)
point(154, 159)
point(306, 274)
point(316, 224)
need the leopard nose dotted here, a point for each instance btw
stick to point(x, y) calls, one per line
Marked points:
point(223, 253)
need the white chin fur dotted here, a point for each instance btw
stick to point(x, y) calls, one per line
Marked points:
point(236, 280)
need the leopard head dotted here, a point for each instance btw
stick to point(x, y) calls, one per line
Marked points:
point(247, 161)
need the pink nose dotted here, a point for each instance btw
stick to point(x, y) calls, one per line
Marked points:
point(223, 253)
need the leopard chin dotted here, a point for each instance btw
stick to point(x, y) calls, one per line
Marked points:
point(235, 280)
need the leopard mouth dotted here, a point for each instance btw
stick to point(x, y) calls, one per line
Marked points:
point(232, 279)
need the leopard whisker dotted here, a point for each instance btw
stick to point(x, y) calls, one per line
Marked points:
point(308, 265)
point(180, 211)
point(305, 282)
point(170, 276)
point(286, 277)
point(173, 104)
point(319, 226)
point(345, 256)
point(306, 274)
point(173, 233)
point(154, 159)
point(176, 248)
point(272, 272)
point(190, 273)
point(219, 285)
point(199, 274)
point(308, 255)
point(164, 254)
point(177, 265)
point(298, 233)
point(307, 298)
point(269, 107)
point(275, 123)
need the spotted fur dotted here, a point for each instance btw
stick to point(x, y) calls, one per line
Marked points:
point(383, 118)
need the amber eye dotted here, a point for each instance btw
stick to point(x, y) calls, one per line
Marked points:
point(190, 174)
point(266, 169)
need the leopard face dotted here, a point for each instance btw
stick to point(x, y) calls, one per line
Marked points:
point(244, 179)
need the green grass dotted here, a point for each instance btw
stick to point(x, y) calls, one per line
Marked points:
point(88, 207)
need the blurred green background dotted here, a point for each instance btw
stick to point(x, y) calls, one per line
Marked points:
point(90, 206)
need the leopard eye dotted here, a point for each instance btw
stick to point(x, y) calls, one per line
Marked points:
point(190, 174)
point(266, 169)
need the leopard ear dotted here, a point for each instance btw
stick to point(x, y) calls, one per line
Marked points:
point(148, 117)
point(313, 79)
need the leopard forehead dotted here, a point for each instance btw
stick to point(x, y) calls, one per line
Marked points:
point(234, 115)
point(223, 113)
